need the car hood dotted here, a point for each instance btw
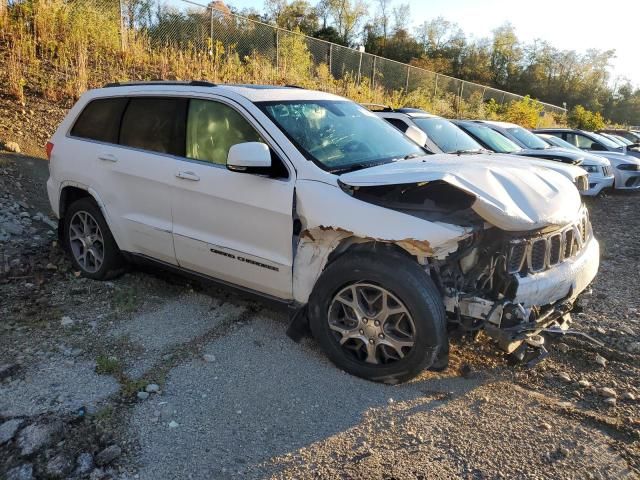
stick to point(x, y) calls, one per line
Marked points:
point(570, 171)
point(617, 158)
point(555, 153)
point(593, 159)
point(509, 195)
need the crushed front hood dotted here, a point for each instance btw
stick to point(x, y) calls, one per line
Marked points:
point(511, 197)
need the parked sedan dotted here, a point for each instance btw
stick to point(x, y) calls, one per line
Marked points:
point(620, 140)
point(535, 146)
point(589, 141)
point(598, 168)
point(440, 135)
point(626, 169)
point(630, 135)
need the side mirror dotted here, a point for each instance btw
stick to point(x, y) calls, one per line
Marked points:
point(417, 135)
point(249, 157)
point(596, 146)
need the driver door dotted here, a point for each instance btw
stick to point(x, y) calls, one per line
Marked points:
point(236, 227)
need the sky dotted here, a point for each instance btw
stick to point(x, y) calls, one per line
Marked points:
point(566, 24)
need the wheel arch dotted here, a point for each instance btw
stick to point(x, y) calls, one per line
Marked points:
point(319, 248)
point(71, 192)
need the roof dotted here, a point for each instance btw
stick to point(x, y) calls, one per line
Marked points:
point(561, 129)
point(253, 93)
point(463, 122)
point(498, 124)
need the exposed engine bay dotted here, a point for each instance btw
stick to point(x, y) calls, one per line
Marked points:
point(482, 282)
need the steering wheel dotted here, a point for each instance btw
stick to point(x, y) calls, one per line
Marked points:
point(354, 146)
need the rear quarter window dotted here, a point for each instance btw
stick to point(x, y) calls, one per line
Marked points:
point(100, 120)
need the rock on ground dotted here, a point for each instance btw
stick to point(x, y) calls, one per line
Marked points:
point(22, 472)
point(8, 429)
point(108, 455)
point(59, 466)
point(84, 463)
point(37, 436)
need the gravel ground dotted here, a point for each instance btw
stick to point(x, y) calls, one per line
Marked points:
point(153, 376)
point(56, 384)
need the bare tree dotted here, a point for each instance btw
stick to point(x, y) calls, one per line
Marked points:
point(401, 17)
point(384, 17)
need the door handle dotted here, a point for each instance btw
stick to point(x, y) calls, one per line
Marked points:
point(188, 176)
point(107, 157)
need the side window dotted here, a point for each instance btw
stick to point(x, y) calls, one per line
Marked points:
point(399, 124)
point(583, 142)
point(100, 120)
point(156, 124)
point(213, 128)
point(572, 138)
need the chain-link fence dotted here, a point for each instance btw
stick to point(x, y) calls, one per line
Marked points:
point(292, 56)
point(78, 41)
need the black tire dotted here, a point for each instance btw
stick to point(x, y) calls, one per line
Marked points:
point(113, 262)
point(384, 266)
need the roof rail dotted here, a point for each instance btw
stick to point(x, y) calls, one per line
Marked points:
point(192, 83)
point(377, 107)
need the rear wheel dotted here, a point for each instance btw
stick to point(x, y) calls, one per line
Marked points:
point(89, 242)
point(377, 315)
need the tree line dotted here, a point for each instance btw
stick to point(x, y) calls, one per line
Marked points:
point(502, 61)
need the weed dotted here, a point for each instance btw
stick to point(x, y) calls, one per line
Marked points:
point(105, 414)
point(129, 387)
point(108, 365)
point(126, 300)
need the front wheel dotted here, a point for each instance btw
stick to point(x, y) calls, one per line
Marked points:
point(377, 314)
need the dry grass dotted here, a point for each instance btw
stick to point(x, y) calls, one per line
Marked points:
point(59, 49)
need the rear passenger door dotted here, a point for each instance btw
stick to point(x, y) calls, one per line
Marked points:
point(237, 227)
point(151, 137)
point(121, 148)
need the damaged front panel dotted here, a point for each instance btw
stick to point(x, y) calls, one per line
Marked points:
point(500, 262)
point(510, 197)
point(331, 219)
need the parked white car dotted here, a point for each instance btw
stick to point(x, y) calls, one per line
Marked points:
point(447, 136)
point(313, 201)
point(625, 168)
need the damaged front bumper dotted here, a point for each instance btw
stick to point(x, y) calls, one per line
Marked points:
point(539, 300)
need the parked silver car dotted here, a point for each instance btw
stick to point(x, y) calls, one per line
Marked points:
point(626, 165)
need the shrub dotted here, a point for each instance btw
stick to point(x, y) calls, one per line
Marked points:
point(581, 118)
point(525, 112)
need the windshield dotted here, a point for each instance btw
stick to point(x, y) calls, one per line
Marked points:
point(527, 138)
point(448, 137)
point(558, 142)
point(339, 135)
point(619, 139)
point(605, 141)
point(494, 140)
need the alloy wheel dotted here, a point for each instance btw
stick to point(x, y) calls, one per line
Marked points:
point(87, 242)
point(371, 323)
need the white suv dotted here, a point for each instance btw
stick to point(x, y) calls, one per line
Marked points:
point(312, 200)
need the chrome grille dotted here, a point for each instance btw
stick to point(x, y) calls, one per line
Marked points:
point(542, 252)
point(555, 249)
point(538, 252)
point(517, 254)
point(568, 243)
